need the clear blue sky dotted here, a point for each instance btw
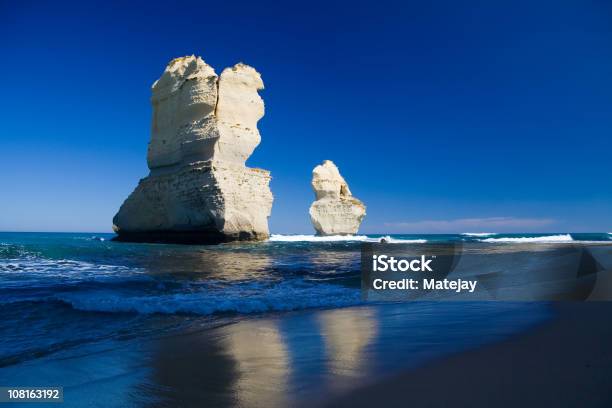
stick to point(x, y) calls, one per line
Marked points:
point(443, 116)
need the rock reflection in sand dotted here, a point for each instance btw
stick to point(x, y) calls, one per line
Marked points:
point(347, 334)
point(267, 362)
point(262, 363)
point(235, 365)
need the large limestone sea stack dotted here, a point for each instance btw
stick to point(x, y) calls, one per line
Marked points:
point(335, 210)
point(199, 189)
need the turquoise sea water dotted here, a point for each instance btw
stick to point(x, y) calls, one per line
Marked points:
point(62, 294)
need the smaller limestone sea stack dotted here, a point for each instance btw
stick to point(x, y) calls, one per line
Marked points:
point(335, 210)
point(203, 130)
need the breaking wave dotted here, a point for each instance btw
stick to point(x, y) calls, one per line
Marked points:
point(314, 238)
point(340, 238)
point(543, 239)
point(398, 240)
point(249, 298)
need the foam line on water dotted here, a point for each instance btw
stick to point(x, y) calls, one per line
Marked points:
point(340, 238)
point(314, 238)
point(543, 239)
point(242, 299)
point(398, 240)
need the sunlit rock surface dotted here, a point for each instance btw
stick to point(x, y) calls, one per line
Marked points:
point(199, 190)
point(335, 210)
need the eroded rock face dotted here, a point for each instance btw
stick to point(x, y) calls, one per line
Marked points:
point(203, 130)
point(335, 210)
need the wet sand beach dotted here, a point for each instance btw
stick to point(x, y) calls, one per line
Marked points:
point(565, 362)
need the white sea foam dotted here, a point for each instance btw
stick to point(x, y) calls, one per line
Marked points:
point(314, 238)
point(248, 298)
point(479, 234)
point(340, 238)
point(51, 268)
point(398, 240)
point(543, 239)
point(33, 271)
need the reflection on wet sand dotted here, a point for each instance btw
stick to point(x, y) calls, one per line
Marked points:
point(236, 365)
point(262, 363)
point(259, 363)
point(347, 333)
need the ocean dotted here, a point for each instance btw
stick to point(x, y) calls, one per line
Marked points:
point(67, 297)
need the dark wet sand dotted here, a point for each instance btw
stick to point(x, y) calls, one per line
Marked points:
point(566, 362)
